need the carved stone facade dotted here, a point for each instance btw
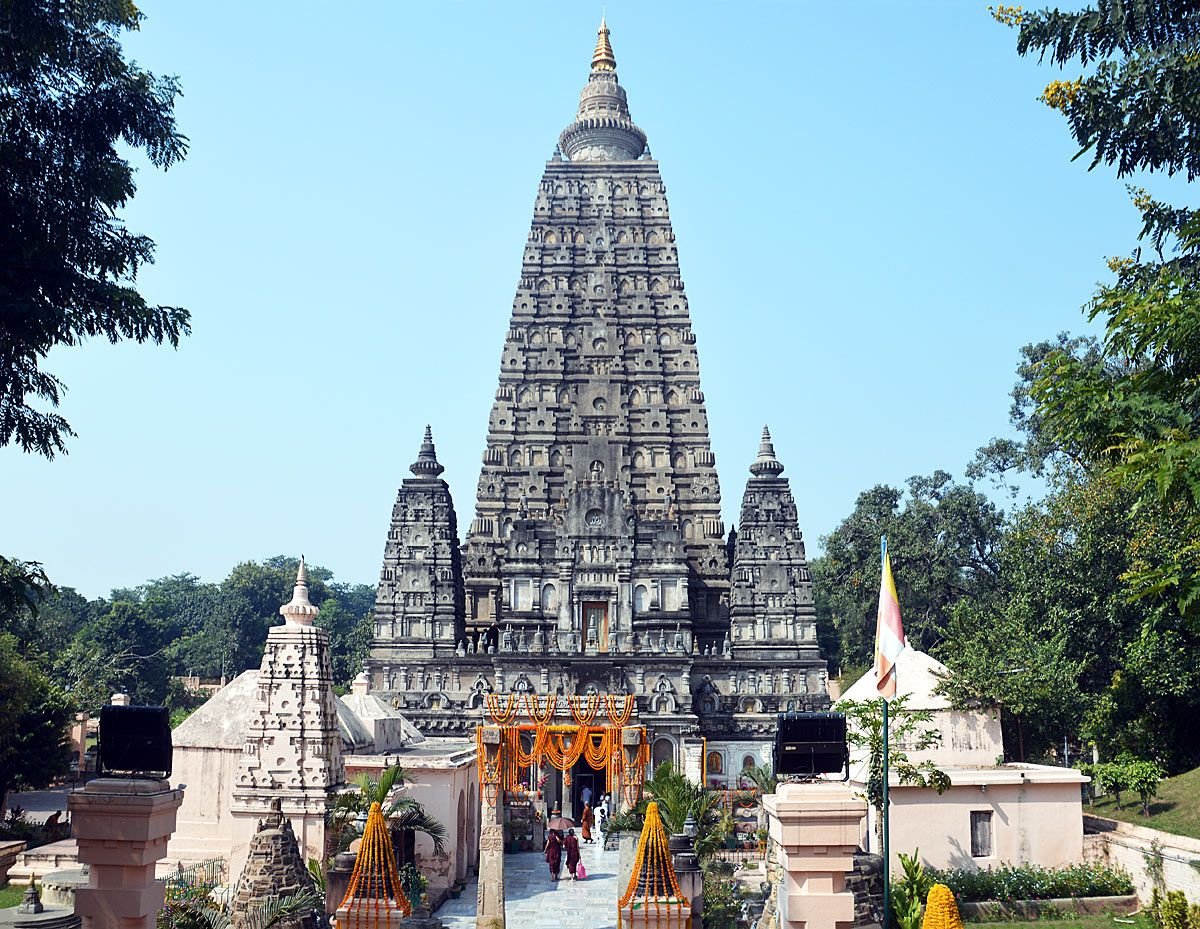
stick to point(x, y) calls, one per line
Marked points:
point(597, 560)
point(292, 752)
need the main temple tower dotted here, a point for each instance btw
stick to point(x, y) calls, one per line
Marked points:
point(597, 561)
point(598, 508)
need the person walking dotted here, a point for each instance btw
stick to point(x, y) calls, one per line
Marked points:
point(586, 796)
point(554, 851)
point(586, 822)
point(570, 844)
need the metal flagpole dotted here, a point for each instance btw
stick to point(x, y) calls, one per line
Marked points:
point(887, 868)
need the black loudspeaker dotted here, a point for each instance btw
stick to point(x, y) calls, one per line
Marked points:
point(135, 741)
point(811, 743)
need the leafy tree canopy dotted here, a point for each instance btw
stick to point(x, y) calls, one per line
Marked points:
point(70, 99)
point(941, 537)
point(34, 716)
point(1137, 108)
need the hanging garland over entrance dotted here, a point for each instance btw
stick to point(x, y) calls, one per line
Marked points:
point(528, 746)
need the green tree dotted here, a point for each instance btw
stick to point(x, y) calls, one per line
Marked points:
point(1002, 654)
point(1143, 778)
point(346, 614)
point(941, 537)
point(1131, 410)
point(1136, 108)
point(908, 730)
point(678, 797)
point(72, 107)
point(34, 716)
point(1065, 598)
point(403, 812)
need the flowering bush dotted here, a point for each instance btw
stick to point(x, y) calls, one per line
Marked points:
point(1031, 882)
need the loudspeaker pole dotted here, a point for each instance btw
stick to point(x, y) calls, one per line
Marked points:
point(887, 866)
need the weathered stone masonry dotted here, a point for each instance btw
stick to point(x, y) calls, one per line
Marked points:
point(597, 560)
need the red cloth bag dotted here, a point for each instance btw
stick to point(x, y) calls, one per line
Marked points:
point(580, 872)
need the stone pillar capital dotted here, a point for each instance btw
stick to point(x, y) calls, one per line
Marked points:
point(816, 827)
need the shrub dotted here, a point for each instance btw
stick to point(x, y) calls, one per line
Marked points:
point(722, 902)
point(910, 892)
point(1031, 882)
point(413, 882)
point(1173, 910)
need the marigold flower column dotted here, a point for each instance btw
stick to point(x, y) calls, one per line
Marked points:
point(374, 899)
point(653, 899)
point(489, 909)
point(817, 828)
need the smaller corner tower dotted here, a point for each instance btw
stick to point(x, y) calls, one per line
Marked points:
point(771, 604)
point(419, 601)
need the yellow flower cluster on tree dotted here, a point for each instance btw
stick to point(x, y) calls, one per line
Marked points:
point(1059, 95)
point(1009, 15)
point(1141, 198)
point(941, 912)
point(1119, 264)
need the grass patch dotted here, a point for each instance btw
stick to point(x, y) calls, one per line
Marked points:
point(11, 894)
point(1073, 922)
point(1176, 809)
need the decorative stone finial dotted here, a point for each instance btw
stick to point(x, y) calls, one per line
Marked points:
point(603, 58)
point(766, 464)
point(362, 683)
point(603, 130)
point(426, 464)
point(299, 611)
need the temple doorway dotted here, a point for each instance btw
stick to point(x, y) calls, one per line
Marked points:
point(588, 785)
point(595, 623)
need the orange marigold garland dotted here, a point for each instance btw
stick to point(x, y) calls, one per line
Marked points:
point(653, 882)
point(583, 712)
point(374, 888)
point(635, 774)
point(618, 716)
point(491, 703)
point(543, 714)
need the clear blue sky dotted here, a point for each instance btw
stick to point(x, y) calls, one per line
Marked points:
point(873, 215)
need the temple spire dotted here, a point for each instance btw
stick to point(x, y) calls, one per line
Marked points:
point(300, 611)
point(766, 464)
point(603, 58)
point(427, 464)
point(603, 129)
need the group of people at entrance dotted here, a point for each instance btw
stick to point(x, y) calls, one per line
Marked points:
point(562, 843)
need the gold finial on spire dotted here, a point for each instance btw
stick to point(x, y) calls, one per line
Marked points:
point(602, 57)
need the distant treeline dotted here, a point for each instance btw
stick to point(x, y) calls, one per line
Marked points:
point(138, 639)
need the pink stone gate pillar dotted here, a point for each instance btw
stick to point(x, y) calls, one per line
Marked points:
point(489, 908)
point(122, 828)
point(817, 828)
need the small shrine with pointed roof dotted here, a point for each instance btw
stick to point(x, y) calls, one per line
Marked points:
point(274, 868)
point(292, 752)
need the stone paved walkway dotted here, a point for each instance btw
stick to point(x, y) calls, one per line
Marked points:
point(533, 901)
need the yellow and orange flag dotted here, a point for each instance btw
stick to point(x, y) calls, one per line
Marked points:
point(889, 630)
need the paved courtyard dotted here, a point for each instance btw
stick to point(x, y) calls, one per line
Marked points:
point(533, 901)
